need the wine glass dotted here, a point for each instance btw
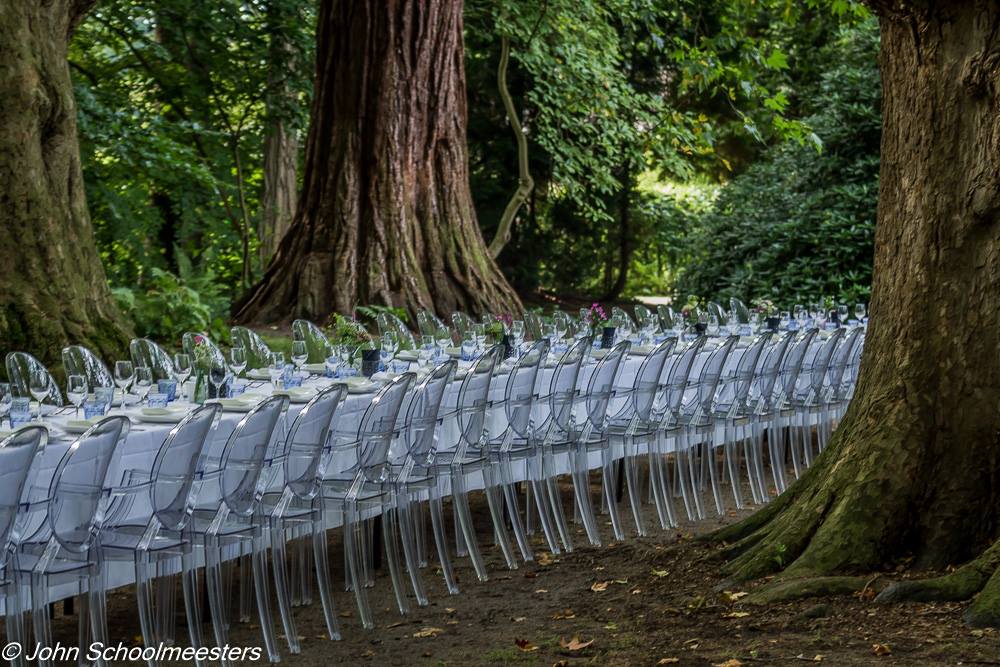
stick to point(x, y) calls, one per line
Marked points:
point(859, 311)
point(275, 367)
point(625, 327)
point(442, 337)
point(801, 317)
point(786, 319)
point(6, 398)
point(479, 333)
point(713, 326)
point(842, 313)
point(124, 375)
point(182, 369)
point(237, 360)
point(38, 386)
point(345, 353)
point(517, 335)
point(299, 354)
point(426, 351)
point(469, 347)
point(218, 373)
point(76, 391)
point(143, 382)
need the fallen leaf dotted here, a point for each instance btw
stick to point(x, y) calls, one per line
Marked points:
point(732, 662)
point(525, 645)
point(881, 649)
point(530, 575)
point(736, 614)
point(599, 586)
point(733, 596)
point(620, 581)
point(450, 610)
point(368, 654)
point(574, 644)
point(564, 614)
point(428, 632)
point(818, 658)
point(545, 558)
point(344, 614)
point(660, 574)
point(451, 621)
point(542, 590)
point(520, 619)
point(561, 663)
point(635, 591)
point(668, 661)
point(396, 624)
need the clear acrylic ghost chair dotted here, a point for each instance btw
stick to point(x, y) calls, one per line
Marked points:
point(741, 310)
point(390, 322)
point(715, 310)
point(514, 446)
point(558, 426)
point(78, 360)
point(468, 456)
point(161, 541)
point(230, 521)
point(146, 353)
point(592, 437)
point(698, 423)
point(258, 353)
point(19, 453)
point(642, 314)
point(20, 365)
point(428, 323)
point(413, 478)
point(809, 405)
point(533, 325)
point(635, 421)
point(64, 549)
point(192, 340)
point(666, 315)
point(357, 484)
point(832, 397)
point(731, 413)
point(318, 346)
point(299, 505)
point(783, 427)
point(462, 323)
point(617, 312)
point(763, 414)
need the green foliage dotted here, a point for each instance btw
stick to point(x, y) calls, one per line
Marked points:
point(797, 224)
point(167, 305)
point(343, 330)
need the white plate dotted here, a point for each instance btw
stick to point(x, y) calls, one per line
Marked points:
point(259, 374)
point(295, 394)
point(312, 368)
point(407, 355)
point(455, 352)
point(599, 353)
point(160, 415)
point(239, 404)
point(365, 387)
point(640, 350)
point(77, 426)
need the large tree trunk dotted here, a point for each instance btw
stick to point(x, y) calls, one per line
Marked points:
point(385, 214)
point(914, 469)
point(53, 289)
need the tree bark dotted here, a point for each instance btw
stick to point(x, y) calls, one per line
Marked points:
point(915, 466)
point(614, 290)
point(385, 215)
point(53, 289)
point(281, 146)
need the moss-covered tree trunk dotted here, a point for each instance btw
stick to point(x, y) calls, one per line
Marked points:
point(53, 289)
point(914, 469)
point(385, 214)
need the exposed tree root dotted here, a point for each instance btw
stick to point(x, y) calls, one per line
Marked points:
point(794, 589)
point(959, 585)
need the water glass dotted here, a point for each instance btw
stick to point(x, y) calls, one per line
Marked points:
point(859, 312)
point(237, 360)
point(20, 411)
point(93, 409)
point(426, 351)
point(143, 382)
point(124, 375)
point(158, 400)
point(469, 348)
point(276, 368)
point(299, 353)
point(76, 391)
point(182, 371)
point(6, 399)
point(442, 338)
point(168, 387)
point(104, 396)
point(400, 366)
point(333, 366)
point(843, 313)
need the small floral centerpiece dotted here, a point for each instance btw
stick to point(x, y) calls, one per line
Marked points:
point(498, 331)
point(348, 331)
point(202, 363)
point(690, 310)
point(600, 323)
point(767, 311)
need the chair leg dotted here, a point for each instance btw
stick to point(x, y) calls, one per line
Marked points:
point(390, 539)
point(441, 540)
point(14, 620)
point(405, 511)
point(632, 485)
point(98, 603)
point(609, 487)
point(513, 511)
point(213, 582)
point(581, 494)
point(144, 600)
point(538, 492)
point(354, 567)
point(321, 561)
point(40, 614)
point(555, 503)
point(729, 453)
point(279, 563)
point(495, 504)
point(261, 588)
point(461, 501)
point(192, 605)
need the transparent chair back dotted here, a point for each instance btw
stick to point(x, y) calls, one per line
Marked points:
point(741, 310)
point(390, 322)
point(770, 368)
point(841, 358)
point(428, 323)
point(318, 346)
point(601, 388)
point(519, 394)
point(666, 315)
point(18, 454)
point(77, 503)
point(422, 414)
point(473, 396)
point(618, 313)
point(532, 325)
point(821, 362)
point(378, 428)
point(642, 314)
point(680, 372)
point(258, 353)
point(307, 438)
point(175, 466)
point(20, 365)
point(243, 456)
point(563, 386)
point(647, 379)
point(146, 353)
point(711, 373)
point(746, 370)
point(715, 310)
point(191, 341)
point(791, 367)
point(463, 324)
point(78, 360)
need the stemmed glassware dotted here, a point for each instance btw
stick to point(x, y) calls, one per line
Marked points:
point(143, 382)
point(124, 375)
point(218, 373)
point(843, 313)
point(479, 332)
point(237, 360)
point(517, 335)
point(390, 343)
point(38, 385)
point(182, 370)
point(6, 399)
point(426, 351)
point(276, 367)
point(76, 391)
point(859, 311)
point(801, 317)
point(345, 353)
point(299, 354)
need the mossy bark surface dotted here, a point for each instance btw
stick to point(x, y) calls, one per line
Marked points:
point(385, 215)
point(913, 471)
point(53, 289)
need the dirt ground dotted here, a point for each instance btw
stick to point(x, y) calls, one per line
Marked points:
point(658, 600)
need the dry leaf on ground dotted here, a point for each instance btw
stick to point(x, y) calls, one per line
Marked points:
point(599, 586)
point(881, 649)
point(428, 632)
point(574, 644)
point(525, 645)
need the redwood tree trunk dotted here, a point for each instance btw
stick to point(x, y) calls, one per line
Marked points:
point(914, 469)
point(385, 214)
point(53, 290)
